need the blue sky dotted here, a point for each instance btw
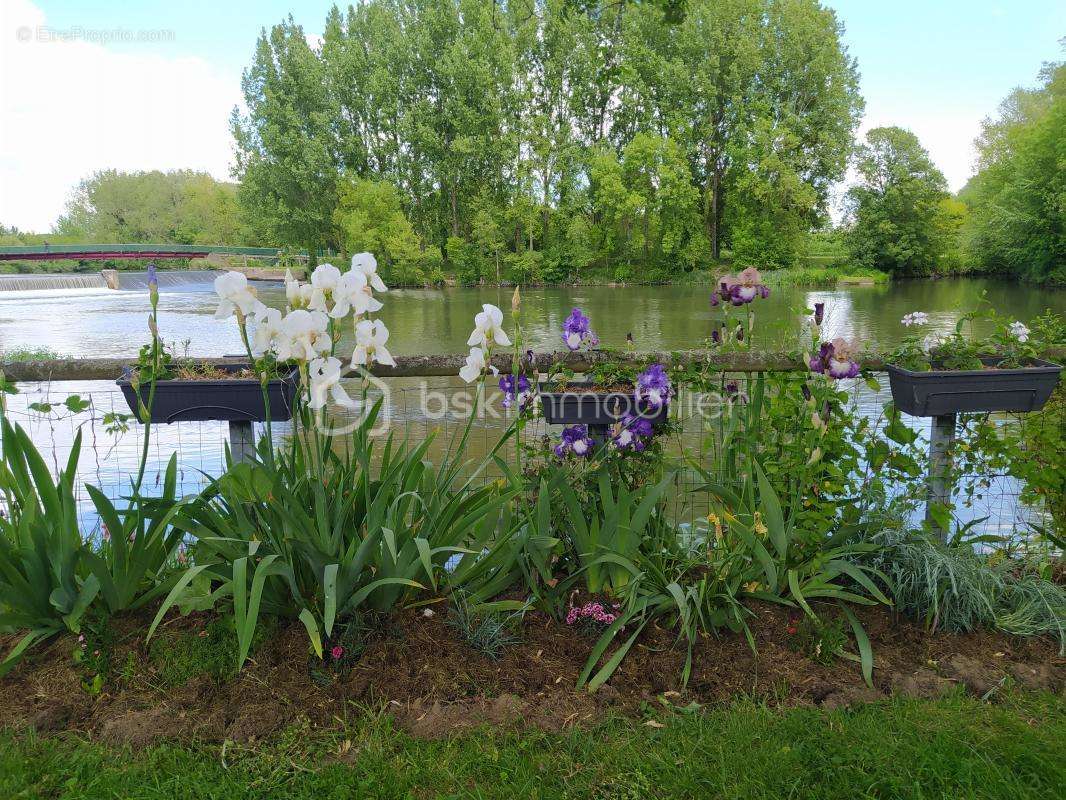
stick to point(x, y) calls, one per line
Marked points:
point(936, 67)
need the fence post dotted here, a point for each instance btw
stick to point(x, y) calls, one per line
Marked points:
point(241, 440)
point(941, 439)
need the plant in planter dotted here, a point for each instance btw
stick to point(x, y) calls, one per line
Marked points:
point(935, 375)
point(161, 387)
point(609, 403)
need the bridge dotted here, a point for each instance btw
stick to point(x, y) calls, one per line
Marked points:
point(108, 252)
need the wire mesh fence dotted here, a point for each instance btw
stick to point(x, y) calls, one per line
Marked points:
point(439, 410)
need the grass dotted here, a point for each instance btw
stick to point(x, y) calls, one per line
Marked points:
point(954, 747)
point(826, 276)
point(213, 651)
point(28, 354)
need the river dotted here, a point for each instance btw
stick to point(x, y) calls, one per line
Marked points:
point(102, 322)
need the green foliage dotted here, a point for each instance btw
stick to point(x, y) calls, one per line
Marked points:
point(802, 753)
point(489, 632)
point(1014, 223)
point(369, 218)
point(826, 276)
point(180, 207)
point(953, 587)
point(28, 354)
point(179, 657)
point(552, 143)
point(319, 535)
point(821, 640)
point(44, 587)
point(608, 526)
point(899, 221)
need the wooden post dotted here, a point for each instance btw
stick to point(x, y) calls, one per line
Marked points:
point(941, 439)
point(241, 440)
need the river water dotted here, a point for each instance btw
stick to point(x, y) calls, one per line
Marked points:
point(101, 322)
point(89, 322)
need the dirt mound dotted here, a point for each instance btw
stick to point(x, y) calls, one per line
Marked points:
point(418, 669)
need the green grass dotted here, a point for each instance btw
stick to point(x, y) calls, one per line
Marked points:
point(826, 276)
point(177, 658)
point(955, 747)
point(28, 354)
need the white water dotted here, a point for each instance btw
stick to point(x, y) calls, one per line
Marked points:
point(36, 283)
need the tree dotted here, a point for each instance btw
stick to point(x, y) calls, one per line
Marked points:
point(369, 218)
point(286, 156)
point(181, 207)
point(1017, 199)
point(895, 208)
point(497, 123)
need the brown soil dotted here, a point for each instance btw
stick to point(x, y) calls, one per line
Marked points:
point(417, 668)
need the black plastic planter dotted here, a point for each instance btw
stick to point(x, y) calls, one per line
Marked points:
point(234, 400)
point(939, 392)
point(577, 405)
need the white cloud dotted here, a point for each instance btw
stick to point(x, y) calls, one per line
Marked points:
point(68, 108)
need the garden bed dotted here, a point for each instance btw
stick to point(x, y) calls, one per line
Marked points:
point(434, 684)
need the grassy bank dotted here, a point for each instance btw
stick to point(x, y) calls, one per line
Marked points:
point(954, 747)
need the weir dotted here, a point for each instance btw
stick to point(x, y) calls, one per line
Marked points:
point(181, 280)
point(34, 283)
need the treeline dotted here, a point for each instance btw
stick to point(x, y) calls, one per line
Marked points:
point(178, 207)
point(548, 141)
point(562, 141)
point(1008, 219)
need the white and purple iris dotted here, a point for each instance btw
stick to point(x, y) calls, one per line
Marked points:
point(515, 389)
point(632, 433)
point(740, 289)
point(653, 386)
point(837, 359)
point(575, 439)
point(577, 331)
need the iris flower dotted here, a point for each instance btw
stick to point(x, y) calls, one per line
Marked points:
point(515, 388)
point(575, 439)
point(235, 295)
point(837, 359)
point(325, 374)
point(632, 433)
point(577, 331)
point(653, 386)
point(370, 339)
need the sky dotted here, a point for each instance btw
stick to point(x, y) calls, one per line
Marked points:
point(100, 84)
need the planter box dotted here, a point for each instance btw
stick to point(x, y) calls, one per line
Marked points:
point(934, 393)
point(237, 400)
point(579, 406)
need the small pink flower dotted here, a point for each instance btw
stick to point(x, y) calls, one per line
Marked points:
point(337, 653)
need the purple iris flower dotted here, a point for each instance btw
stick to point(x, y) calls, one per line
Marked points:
point(632, 433)
point(575, 439)
point(819, 313)
point(153, 278)
point(653, 386)
point(577, 331)
point(715, 299)
point(837, 359)
point(514, 388)
point(716, 336)
point(806, 391)
point(744, 287)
